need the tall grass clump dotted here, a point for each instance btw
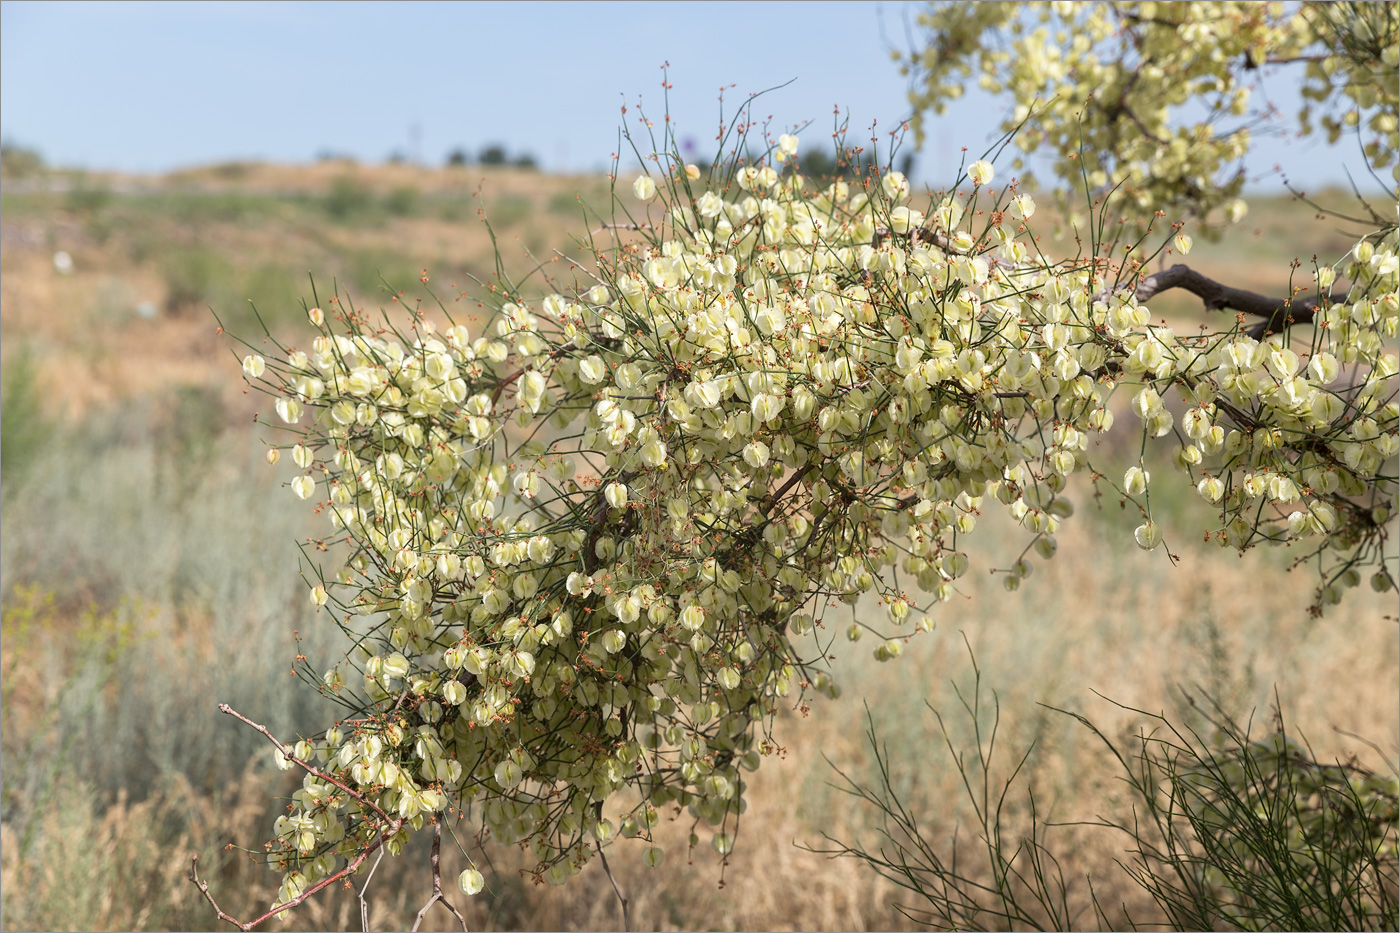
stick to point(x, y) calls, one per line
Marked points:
point(196, 570)
point(142, 584)
point(1257, 833)
point(1197, 622)
point(1225, 829)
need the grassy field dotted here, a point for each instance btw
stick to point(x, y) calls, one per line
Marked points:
point(150, 571)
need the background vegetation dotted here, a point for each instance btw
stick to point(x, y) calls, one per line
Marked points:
point(147, 572)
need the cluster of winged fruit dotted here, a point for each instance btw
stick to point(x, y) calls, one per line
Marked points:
point(594, 542)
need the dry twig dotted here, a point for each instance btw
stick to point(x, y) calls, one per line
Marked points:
point(385, 831)
point(437, 884)
point(626, 919)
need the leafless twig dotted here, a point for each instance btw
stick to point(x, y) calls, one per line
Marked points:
point(437, 884)
point(626, 919)
point(385, 831)
point(276, 909)
point(287, 753)
point(203, 887)
point(611, 227)
point(915, 236)
point(580, 266)
point(364, 889)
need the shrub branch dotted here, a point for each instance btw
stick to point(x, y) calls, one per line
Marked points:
point(1279, 313)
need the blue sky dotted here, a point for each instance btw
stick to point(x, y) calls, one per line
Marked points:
point(153, 86)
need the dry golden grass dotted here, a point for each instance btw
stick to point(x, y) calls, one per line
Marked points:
point(1132, 634)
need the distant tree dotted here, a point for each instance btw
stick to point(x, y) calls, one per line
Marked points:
point(494, 154)
point(457, 158)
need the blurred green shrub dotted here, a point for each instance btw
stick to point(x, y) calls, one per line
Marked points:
point(187, 440)
point(87, 199)
point(375, 271)
point(348, 199)
point(192, 277)
point(565, 203)
point(215, 207)
point(231, 171)
point(509, 211)
point(402, 201)
point(24, 429)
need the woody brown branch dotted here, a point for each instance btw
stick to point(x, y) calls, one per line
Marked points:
point(386, 831)
point(438, 897)
point(314, 771)
point(1279, 313)
point(276, 909)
